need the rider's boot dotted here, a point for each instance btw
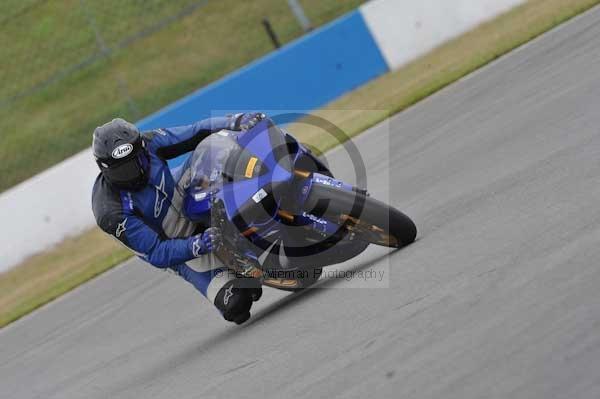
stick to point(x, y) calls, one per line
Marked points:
point(235, 299)
point(231, 294)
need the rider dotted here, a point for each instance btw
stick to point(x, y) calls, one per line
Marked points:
point(138, 200)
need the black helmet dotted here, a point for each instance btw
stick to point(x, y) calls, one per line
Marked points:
point(121, 155)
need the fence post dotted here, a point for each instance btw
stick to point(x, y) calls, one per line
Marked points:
point(271, 32)
point(300, 15)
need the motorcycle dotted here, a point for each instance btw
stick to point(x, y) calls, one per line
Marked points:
point(282, 213)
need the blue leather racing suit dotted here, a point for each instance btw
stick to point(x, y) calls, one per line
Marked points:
point(150, 221)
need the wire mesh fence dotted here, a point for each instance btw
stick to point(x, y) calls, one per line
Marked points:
point(70, 65)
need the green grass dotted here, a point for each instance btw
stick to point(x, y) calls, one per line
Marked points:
point(48, 275)
point(40, 38)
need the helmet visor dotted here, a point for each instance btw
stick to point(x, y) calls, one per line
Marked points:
point(128, 172)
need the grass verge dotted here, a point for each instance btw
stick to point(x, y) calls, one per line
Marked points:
point(42, 40)
point(45, 277)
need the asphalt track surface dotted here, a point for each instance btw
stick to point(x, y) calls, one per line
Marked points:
point(498, 298)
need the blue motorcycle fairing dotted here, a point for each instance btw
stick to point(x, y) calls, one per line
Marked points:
point(267, 143)
point(236, 194)
point(247, 195)
point(324, 180)
point(261, 142)
point(197, 204)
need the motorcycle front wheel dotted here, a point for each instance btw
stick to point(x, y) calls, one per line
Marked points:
point(371, 220)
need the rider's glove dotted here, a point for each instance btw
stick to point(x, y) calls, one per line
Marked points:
point(206, 242)
point(235, 299)
point(247, 121)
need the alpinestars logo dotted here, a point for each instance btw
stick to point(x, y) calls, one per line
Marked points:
point(121, 228)
point(160, 199)
point(197, 247)
point(228, 294)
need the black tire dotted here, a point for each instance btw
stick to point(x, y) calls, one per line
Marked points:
point(370, 219)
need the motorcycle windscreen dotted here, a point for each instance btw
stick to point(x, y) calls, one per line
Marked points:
point(243, 165)
point(209, 160)
point(268, 143)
